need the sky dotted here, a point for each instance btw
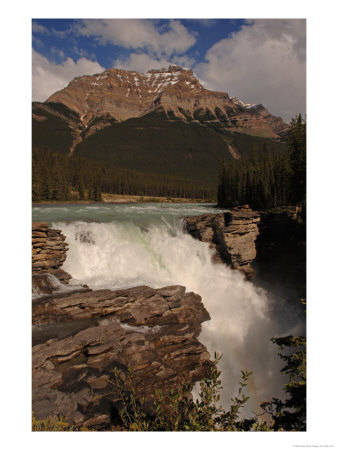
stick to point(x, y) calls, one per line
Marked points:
point(257, 60)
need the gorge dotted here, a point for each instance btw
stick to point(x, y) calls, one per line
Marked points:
point(112, 260)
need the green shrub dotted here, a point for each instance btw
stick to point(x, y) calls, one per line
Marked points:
point(175, 410)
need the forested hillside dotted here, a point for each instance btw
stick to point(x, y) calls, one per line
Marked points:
point(60, 177)
point(151, 155)
point(269, 178)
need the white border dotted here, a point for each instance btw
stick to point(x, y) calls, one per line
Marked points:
point(16, 218)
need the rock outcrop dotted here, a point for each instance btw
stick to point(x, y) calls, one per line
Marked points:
point(80, 336)
point(232, 234)
point(48, 248)
point(48, 254)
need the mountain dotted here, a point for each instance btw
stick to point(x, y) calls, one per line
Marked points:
point(163, 122)
point(119, 95)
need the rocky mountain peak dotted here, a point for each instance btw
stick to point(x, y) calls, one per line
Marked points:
point(116, 95)
point(123, 94)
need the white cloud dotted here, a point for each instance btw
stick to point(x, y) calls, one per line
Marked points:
point(37, 28)
point(140, 34)
point(265, 62)
point(48, 77)
point(58, 53)
point(142, 62)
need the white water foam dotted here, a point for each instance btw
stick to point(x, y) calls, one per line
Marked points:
point(58, 287)
point(116, 255)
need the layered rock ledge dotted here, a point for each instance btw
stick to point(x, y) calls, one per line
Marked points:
point(79, 340)
point(232, 234)
point(80, 337)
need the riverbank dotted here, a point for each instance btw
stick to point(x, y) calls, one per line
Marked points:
point(116, 198)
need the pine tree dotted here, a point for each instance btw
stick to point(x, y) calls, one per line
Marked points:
point(290, 414)
point(81, 189)
point(297, 145)
point(97, 191)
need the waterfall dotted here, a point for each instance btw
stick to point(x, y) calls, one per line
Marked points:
point(120, 255)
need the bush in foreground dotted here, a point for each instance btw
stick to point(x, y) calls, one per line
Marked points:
point(175, 410)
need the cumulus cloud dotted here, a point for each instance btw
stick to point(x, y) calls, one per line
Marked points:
point(37, 28)
point(142, 62)
point(48, 77)
point(174, 38)
point(264, 62)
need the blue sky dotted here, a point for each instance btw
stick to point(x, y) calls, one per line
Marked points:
point(259, 61)
point(50, 35)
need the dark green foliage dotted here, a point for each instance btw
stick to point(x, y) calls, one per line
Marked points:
point(266, 177)
point(52, 132)
point(97, 190)
point(220, 115)
point(290, 414)
point(260, 180)
point(154, 145)
point(81, 189)
point(186, 114)
point(60, 177)
point(64, 110)
point(152, 154)
point(297, 145)
point(174, 410)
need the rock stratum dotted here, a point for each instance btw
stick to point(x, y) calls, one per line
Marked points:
point(48, 248)
point(49, 251)
point(232, 234)
point(80, 336)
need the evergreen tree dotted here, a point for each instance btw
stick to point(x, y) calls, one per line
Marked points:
point(266, 178)
point(297, 145)
point(81, 190)
point(57, 176)
point(290, 414)
point(97, 191)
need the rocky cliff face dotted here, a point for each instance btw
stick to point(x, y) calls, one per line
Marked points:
point(232, 234)
point(118, 95)
point(80, 336)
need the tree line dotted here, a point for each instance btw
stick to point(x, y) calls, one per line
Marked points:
point(61, 178)
point(267, 178)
